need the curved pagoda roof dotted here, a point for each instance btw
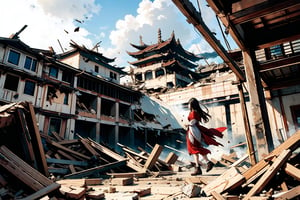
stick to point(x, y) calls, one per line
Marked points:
point(160, 47)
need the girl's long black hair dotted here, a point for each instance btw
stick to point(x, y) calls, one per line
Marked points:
point(195, 105)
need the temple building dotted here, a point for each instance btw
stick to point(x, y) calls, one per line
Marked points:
point(165, 64)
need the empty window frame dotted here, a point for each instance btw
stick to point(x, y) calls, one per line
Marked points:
point(29, 87)
point(13, 57)
point(96, 69)
point(67, 76)
point(11, 82)
point(30, 63)
point(113, 75)
point(148, 75)
point(53, 72)
point(159, 72)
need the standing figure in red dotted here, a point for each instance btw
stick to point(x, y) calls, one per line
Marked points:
point(198, 137)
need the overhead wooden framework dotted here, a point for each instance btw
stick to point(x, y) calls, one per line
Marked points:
point(194, 17)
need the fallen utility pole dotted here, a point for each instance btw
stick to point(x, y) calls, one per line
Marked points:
point(194, 17)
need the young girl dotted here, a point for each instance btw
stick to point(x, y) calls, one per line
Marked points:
point(198, 137)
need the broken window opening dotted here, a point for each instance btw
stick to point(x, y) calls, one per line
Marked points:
point(107, 135)
point(124, 111)
point(11, 82)
point(86, 103)
point(108, 107)
point(29, 87)
point(14, 57)
point(138, 77)
point(54, 125)
point(30, 63)
point(85, 129)
point(51, 94)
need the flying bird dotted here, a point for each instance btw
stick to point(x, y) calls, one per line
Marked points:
point(76, 29)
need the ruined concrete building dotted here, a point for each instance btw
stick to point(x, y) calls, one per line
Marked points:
point(165, 64)
point(77, 93)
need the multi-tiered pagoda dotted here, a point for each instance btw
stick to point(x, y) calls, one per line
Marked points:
point(163, 65)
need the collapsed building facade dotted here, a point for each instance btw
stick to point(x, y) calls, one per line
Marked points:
point(78, 94)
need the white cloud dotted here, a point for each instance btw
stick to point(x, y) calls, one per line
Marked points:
point(151, 16)
point(48, 21)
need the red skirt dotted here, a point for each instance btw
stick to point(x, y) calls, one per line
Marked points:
point(208, 137)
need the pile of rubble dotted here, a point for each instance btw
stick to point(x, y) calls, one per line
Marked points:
point(34, 165)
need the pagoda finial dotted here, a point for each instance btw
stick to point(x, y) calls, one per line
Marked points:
point(173, 34)
point(141, 40)
point(159, 36)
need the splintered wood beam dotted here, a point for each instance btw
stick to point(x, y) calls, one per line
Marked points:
point(153, 156)
point(217, 195)
point(112, 154)
point(97, 169)
point(67, 162)
point(171, 158)
point(194, 17)
point(290, 194)
point(23, 171)
point(291, 143)
point(269, 174)
point(63, 148)
point(292, 171)
point(37, 142)
point(43, 192)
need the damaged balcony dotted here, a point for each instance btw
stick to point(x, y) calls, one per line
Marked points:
point(86, 105)
point(108, 110)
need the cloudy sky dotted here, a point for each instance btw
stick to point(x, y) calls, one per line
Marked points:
point(112, 23)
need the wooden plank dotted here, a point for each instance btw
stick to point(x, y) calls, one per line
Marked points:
point(25, 138)
point(90, 171)
point(122, 181)
point(96, 194)
point(217, 196)
point(291, 143)
point(18, 162)
point(292, 171)
point(229, 179)
point(93, 181)
point(37, 142)
point(43, 192)
point(128, 174)
point(89, 148)
point(66, 155)
point(268, 175)
point(171, 158)
point(155, 153)
point(196, 180)
point(67, 162)
point(291, 194)
point(63, 148)
point(228, 158)
point(113, 154)
point(72, 192)
point(56, 136)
